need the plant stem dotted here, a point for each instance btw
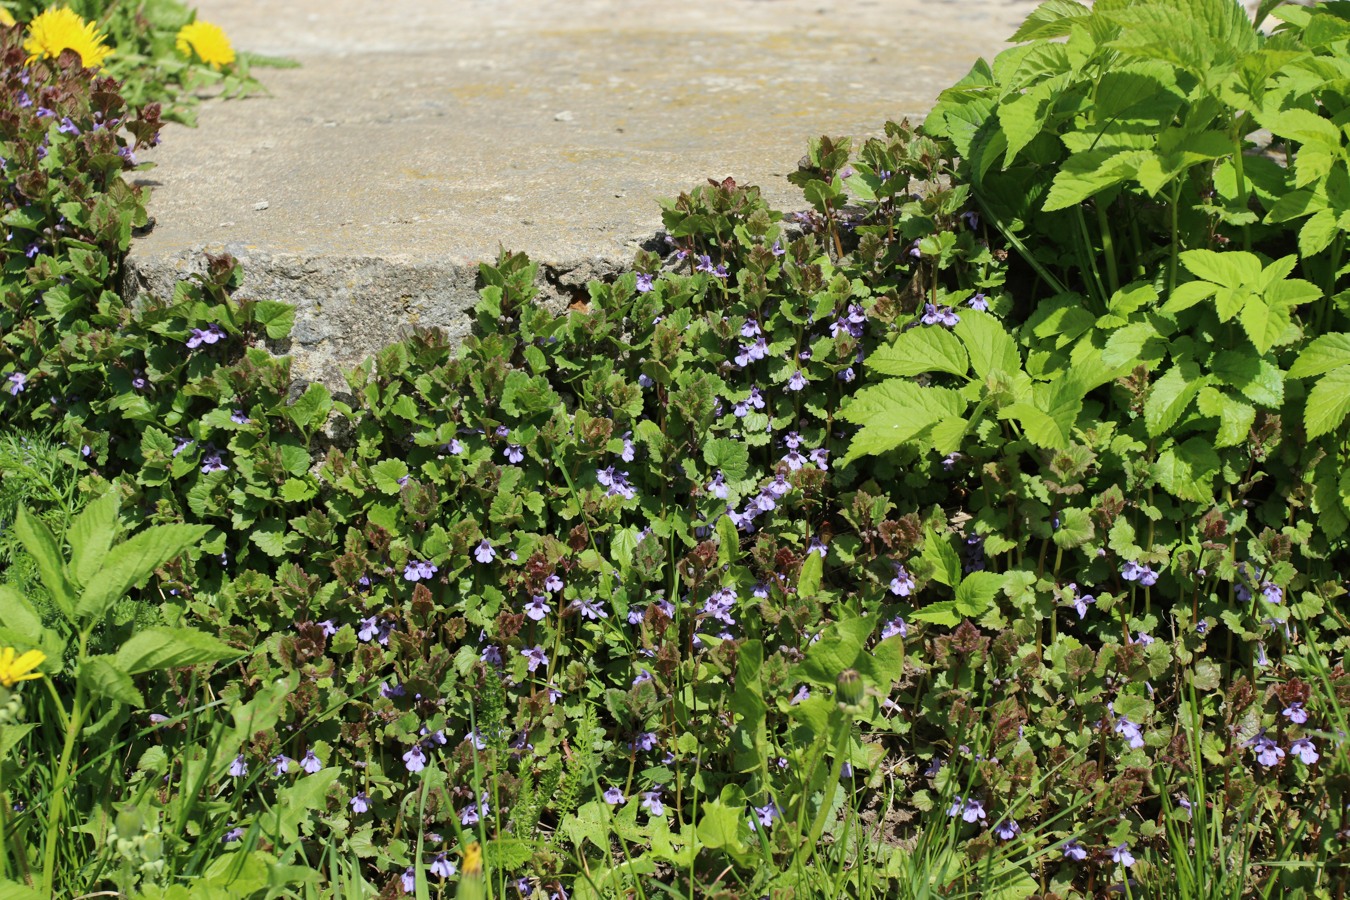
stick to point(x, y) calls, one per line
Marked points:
point(1108, 249)
point(63, 771)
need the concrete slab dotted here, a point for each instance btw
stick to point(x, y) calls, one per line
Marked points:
point(419, 136)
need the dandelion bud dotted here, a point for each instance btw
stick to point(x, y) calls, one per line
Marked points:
point(850, 687)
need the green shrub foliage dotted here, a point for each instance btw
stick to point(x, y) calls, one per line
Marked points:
point(979, 528)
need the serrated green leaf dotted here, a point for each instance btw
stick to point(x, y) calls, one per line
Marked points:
point(1133, 344)
point(1076, 528)
point(1170, 395)
point(274, 539)
point(1235, 417)
point(938, 550)
point(989, 344)
point(386, 474)
point(45, 551)
point(154, 649)
point(1259, 380)
point(1323, 354)
point(808, 580)
point(920, 350)
point(133, 561)
point(1328, 403)
point(1265, 323)
point(1187, 471)
point(101, 676)
point(941, 613)
point(732, 457)
point(276, 318)
point(976, 592)
point(90, 535)
point(1232, 268)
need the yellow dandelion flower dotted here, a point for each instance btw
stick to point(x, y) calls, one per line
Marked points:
point(13, 670)
point(55, 30)
point(208, 42)
point(6, 19)
point(473, 859)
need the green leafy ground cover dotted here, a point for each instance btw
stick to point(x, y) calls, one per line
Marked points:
point(980, 531)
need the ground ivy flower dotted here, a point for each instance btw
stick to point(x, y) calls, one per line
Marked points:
point(58, 29)
point(491, 655)
point(476, 739)
point(765, 815)
point(642, 676)
point(1132, 571)
point(207, 41)
point(645, 742)
point(535, 656)
point(369, 629)
point(1074, 850)
point(1305, 750)
point(820, 456)
point(415, 759)
point(553, 583)
point(537, 609)
point(644, 283)
point(1007, 830)
point(1121, 854)
point(442, 866)
point(1295, 713)
point(1268, 753)
point(940, 315)
point(817, 546)
point(614, 797)
point(978, 302)
point(233, 836)
point(968, 810)
point(409, 880)
point(311, 763)
point(797, 381)
point(1080, 601)
point(238, 417)
point(282, 763)
point(893, 627)
point(454, 447)
point(419, 570)
point(750, 328)
point(212, 463)
point(651, 802)
point(1130, 731)
point(718, 486)
point(239, 768)
point(629, 451)
point(209, 335)
point(1272, 592)
point(902, 585)
point(590, 609)
point(484, 552)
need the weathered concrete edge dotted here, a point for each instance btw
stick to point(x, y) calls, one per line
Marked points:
point(349, 308)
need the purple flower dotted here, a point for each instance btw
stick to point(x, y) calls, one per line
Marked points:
point(17, 380)
point(645, 742)
point(1268, 753)
point(409, 881)
point(536, 657)
point(484, 552)
point(476, 739)
point(238, 417)
point(239, 768)
point(1272, 592)
point(311, 763)
point(491, 655)
point(1121, 854)
point(514, 453)
point(415, 759)
point(651, 802)
point(644, 282)
point(369, 629)
point(969, 810)
point(614, 797)
point(978, 302)
point(282, 763)
point(642, 676)
point(502, 431)
point(718, 486)
point(1080, 601)
point(553, 583)
point(645, 381)
point(67, 126)
point(893, 627)
point(454, 447)
point(820, 456)
point(442, 866)
point(765, 814)
point(328, 627)
point(210, 335)
point(1296, 713)
point(590, 609)
point(803, 694)
point(211, 463)
point(1305, 750)
point(537, 608)
point(902, 585)
point(1130, 731)
point(817, 546)
point(1007, 830)
point(1074, 850)
point(418, 570)
point(629, 451)
point(1132, 571)
point(777, 248)
point(797, 381)
point(391, 689)
point(234, 835)
point(940, 315)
